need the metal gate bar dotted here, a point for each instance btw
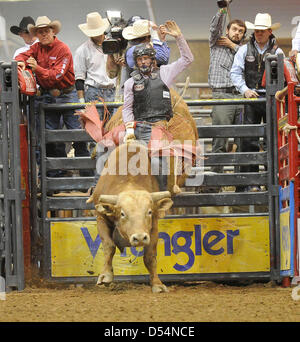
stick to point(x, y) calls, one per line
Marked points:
point(11, 177)
point(274, 82)
point(185, 200)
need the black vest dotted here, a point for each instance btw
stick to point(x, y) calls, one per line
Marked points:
point(255, 63)
point(152, 98)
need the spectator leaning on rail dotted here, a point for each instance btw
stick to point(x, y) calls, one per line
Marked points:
point(222, 52)
point(23, 32)
point(91, 77)
point(51, 61)
point(247, 73)
point(147, 98)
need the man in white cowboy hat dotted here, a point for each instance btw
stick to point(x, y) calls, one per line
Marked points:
point(23, 32)
point(91, 76)
point(247, 73)
point(52, 62)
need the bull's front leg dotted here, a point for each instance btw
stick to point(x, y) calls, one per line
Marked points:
point(150, 253)
point(109, 249)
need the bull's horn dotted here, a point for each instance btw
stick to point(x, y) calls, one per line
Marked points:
point(156, 196)
point(112, 199)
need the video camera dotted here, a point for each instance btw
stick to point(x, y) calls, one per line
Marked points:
point(223, 3)
point(114, 41)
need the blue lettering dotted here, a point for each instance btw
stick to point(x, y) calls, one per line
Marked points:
point(92, 244)
point(198, 247)
point(208, 245)
point(209, 242)
point(167, 240)
point(124, 254)
point(184, 248)
point(230, 235)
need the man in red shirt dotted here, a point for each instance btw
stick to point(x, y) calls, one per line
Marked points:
point(52, 62)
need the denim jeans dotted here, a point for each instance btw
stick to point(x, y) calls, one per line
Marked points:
point(56, 120)
point(143, 132)
point(254, 114)
point(225, 115)
point(159, 165)
point(92, 94)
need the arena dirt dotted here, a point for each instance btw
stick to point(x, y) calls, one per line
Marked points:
point(128, 302)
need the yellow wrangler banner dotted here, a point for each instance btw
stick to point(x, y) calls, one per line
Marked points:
point(187, 245)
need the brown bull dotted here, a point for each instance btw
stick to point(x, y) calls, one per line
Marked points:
point(128, 207)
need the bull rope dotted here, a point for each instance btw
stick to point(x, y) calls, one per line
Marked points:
point(176, 188)
point(187, 82)
point(106, 112)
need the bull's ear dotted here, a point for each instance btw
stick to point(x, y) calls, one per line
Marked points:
point(105, 209)
point(162, 206)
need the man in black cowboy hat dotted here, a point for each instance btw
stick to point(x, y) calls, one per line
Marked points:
point(23, 32)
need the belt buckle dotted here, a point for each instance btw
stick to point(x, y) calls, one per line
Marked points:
point(107, 86)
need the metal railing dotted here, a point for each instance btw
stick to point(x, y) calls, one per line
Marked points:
point(190, 198)
point(12, 194)
point(42, 201)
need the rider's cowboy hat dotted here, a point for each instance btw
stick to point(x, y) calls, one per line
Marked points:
point(263, 21)
point(95, 25)
point(140, 28)
point(22, 26)
point(44, 21)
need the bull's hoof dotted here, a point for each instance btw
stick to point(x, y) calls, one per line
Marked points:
point(159, 288)
point(105, 278)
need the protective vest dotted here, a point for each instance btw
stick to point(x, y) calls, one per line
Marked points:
point(152, 98)
point(255, 63)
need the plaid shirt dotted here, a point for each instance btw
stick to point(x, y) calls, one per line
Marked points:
point(221, 57)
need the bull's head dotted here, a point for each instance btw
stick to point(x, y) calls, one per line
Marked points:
point(133, 213)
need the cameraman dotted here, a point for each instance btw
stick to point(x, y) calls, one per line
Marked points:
point(139, 31)
point(91, 77)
